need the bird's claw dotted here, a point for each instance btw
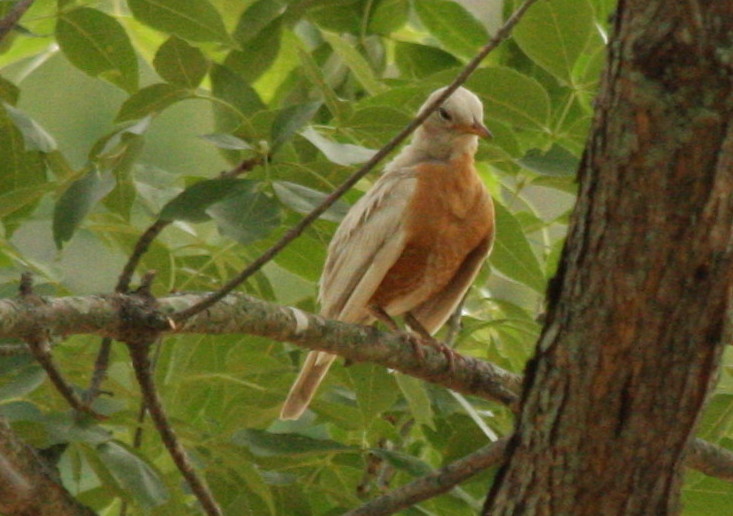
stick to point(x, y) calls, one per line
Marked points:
point(418, 341)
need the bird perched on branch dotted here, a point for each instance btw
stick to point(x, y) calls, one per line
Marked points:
point(412, 245)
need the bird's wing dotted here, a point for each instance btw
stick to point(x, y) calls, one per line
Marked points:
point(368, 242)
point(433, 313)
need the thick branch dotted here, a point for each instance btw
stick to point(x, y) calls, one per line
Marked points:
point(239, 313)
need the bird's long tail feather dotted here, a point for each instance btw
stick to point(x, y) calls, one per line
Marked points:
point(315, 367)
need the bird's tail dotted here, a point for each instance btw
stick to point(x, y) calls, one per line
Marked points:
point(314, 369)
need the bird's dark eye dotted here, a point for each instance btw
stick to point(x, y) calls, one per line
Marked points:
point(444, 114)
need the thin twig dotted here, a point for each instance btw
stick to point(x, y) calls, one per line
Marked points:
point(141, 247)
point(13, 17)
point(296, 230)
point(40, 351)
point(143, 371)
point(100, 372)
point(435, 483)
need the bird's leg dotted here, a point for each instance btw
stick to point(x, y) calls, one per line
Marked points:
point(418, 328)
point(381, 315)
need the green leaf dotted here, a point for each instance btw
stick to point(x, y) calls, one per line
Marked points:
point(23, 382)
point(302, 199)
point(314, 74)
point(97, 44)
point(289, 121)
point(191, 204)
point(180, 63)
point(337, 15)
point(357, 63)
point(256, 19)
point(258, 54)
point(266, 444)
point(16, 199)
point(456, 29)
point(246, 216)
point(345, 154)
point(403, 461)
point(512, 254)
point(416, 394)
point(9, 92)
point(554, 34)
point(243, 99)
point(21, 168)
point(195, 20)
point(151, 100)
point(134, 474)
point(421, 60)
point(387, 16)
point(34, 136)
point(512, 97)
point(555, 162)
point(227, 141)
point(375, 390)
point(76, 202)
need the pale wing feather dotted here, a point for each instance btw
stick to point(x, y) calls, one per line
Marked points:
point(366, 245)
point(314, 368)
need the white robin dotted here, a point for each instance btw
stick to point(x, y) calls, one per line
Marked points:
point(412, 245)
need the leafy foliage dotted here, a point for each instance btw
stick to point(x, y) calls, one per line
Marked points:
point(116, 113)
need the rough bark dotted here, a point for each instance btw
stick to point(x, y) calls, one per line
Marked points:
point(637, 313)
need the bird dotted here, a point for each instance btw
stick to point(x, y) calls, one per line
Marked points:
point(413, 243)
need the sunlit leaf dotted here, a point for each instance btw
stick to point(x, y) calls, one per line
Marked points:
point(134, 474)
point(151, 100)
point(34, 136)
point(266, 444)
point(290, 120)
point(302, 199)
point(512, 97)
point(554, 34)
point(195, 20)
point(246, 216)
point(512, 254)
point(452, 25)
point(555, 162)
point(97, 44)
point(356, 62)
point(340, 153)
point(180, 63)
point(192, 203)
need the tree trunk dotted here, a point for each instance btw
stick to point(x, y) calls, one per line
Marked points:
point(638, 312)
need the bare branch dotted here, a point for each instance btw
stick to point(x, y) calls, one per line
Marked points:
point(438, 482)
point(296, 230)
point(40, 351)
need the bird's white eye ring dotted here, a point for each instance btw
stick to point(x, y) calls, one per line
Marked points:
point(444, 114)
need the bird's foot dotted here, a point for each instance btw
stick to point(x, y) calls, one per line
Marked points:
point(426, 339)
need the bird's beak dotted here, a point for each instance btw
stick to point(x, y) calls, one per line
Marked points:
point(479, 130)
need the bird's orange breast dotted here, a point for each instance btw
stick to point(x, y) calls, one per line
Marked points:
point(448, 216)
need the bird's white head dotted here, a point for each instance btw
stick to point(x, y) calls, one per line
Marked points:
point(453, 128)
